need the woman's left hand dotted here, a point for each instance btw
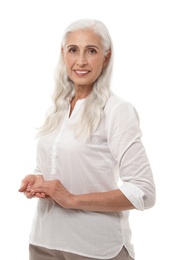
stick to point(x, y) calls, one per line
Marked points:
point(55, 190)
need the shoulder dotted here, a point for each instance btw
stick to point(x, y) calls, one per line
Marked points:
point(121, 112)
point(118, 104)
point(121, 116)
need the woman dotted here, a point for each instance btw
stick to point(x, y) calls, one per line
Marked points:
point(90, 138)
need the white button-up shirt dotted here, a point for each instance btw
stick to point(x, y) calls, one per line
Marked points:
point(115, 152)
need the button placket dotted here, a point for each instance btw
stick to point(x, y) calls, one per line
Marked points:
point(56, 152)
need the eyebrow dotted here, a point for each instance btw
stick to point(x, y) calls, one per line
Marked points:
point(87, 46)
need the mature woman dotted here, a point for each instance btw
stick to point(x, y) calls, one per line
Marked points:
point(89, 140)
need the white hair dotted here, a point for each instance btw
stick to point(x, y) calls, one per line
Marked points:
point(64, 87)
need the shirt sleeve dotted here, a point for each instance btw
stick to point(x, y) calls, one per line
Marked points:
point(124, 140)
point(37, 170)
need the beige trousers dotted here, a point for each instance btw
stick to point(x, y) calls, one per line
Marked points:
point(41, 253)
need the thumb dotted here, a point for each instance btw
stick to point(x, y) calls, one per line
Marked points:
point(23, 186)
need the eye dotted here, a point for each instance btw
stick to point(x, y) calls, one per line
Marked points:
point(92, 51)
point(72, 50)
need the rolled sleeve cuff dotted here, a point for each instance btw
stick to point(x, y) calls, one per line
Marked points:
point(36, 172)
point(134, 194)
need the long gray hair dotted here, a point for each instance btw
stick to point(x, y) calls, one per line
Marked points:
point(64, 88)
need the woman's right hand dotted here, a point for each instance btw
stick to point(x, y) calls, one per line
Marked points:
point(31, 179)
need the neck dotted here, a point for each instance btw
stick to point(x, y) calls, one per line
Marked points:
point(81, 92)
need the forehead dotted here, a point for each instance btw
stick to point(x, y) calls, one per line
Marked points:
point(83, 37)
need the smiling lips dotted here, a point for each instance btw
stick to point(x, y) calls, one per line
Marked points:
point(81, 72)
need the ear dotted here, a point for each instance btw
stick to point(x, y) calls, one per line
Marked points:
point(63, 53)
point(106, 59)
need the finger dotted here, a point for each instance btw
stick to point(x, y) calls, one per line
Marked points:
point(40, 195)
point(29, 195)
point(23, 186)
point(36, 188)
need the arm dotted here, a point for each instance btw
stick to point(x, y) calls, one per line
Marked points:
point(124, 138)
point(103, 201)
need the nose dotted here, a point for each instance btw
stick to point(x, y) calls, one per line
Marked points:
point(81, 59)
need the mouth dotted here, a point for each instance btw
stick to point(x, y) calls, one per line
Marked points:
point(81, 72)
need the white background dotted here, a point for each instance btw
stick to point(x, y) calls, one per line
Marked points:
point(30, 35)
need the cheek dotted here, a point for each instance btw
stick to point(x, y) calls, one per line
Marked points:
point(97, 62)
point(69, 60)
point(98, 65)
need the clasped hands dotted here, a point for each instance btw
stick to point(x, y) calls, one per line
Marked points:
point(35, 186)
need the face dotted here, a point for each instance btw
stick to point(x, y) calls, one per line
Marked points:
point(84, 57)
